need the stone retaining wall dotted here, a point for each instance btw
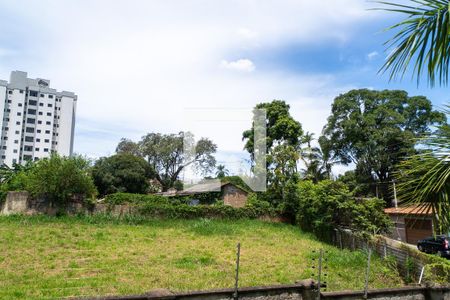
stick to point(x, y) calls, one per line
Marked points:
point(304, 290)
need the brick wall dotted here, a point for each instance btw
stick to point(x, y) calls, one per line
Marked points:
point(234, 196)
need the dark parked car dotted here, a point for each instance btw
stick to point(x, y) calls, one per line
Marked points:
point(436, 245)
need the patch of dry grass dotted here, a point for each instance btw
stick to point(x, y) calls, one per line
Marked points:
point(48, 258)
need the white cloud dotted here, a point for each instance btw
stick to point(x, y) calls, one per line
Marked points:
point(139, 64)
point(372, 55)
point(243, 64)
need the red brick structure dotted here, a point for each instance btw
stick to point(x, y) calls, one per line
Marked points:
point(233, 195)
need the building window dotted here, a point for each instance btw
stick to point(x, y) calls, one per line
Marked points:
point(48, 123)
point(32, 102)
point(38, 140)
point(5, 138)
point(39, 122)
point(41, 104)
point(20, 104)
point(50, 105)
point(47, 131)
point(8, 110)
point(31, 121)
point(9, 101)
point(21, 91)
point(40, 113)
point(29, 139)
point(47, 141)
point(33, 93)
point(27, 157)
point(36, 149)
point(38, 131)
point(19, 113)
point(17, 132)
point(17, 123)
point(15, 151)
point(45, 149)
point(4, 147)
point(28, 148)
point(10, 92)
point(6, 128)
point(16, 141)
point(42, 95)
point(31, 111)
point(29, 129)
point(49, 114)
point(3, 157)
point(50, 96)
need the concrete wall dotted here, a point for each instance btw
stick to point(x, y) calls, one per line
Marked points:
point(15, 203)
point(234, 196)
point(299, 291)
point(304, 290)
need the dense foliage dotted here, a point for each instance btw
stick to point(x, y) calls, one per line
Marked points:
point(169, 154)
point(123, 172)
point(58, 179)
point(282, 144)
point(328, 204)
point(375, 130)
point(173, 207)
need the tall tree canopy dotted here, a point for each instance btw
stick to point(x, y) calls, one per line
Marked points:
point(376, 129)
point(123, 172)
point(281, 127)
point(421, 40)
point(283, 141)
point(169, 154)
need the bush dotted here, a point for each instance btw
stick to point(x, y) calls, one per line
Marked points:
point(122, 172)
point(330, 204)
point(157, 206)
point(128, 198)
point(184, 211)
point(58, 179)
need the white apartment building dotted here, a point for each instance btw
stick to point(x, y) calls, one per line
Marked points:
point(36, 121)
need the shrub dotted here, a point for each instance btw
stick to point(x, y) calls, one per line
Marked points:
point(184, 211)
point(329, 204)
point(128, 198)
point(122, 172)
point(58, 179)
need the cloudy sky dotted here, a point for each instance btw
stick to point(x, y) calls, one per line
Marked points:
point(165, 66)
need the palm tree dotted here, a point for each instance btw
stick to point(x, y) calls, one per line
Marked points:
point(221, 171)
point(425, 177)
point(317, 162)
point(422, 39)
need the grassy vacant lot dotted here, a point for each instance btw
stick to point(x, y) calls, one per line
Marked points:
point(46, 258)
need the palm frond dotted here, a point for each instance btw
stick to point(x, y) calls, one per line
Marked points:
point(423, 37)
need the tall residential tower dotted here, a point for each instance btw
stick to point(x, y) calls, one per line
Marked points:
point(36, 121)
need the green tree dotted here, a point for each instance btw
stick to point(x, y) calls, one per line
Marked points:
point(221, 171)
point(123, 172)
point(170, 154)
point(283, 140)
point(281, 127)
point(317, 164)
point(58, 179)
point(422, 40)
point(375, 130)
point(128, 146)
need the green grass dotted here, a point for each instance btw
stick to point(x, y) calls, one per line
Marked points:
point(47, 257)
